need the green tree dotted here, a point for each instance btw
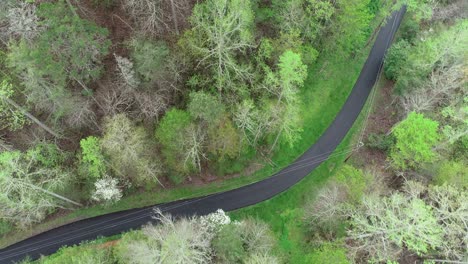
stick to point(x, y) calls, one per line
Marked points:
point(82, 254)
point(438, 50)
point(224, 140)
point(130, 151)
point(355, 181)
point(75, 45)
point(170, 133)
point(453, 173)
point(150, 58)
point(414, 139)
point(68, 49)
point(351, 26)
point(396, 58)
point(10, 117)
point(47, 155)
point(291, 76)
point(329, 253)
point(92, 161)
point(31, 189)
point(382, 226)
point(309, 17)
point(221, 31)
point(228, 244)
point(206, 107)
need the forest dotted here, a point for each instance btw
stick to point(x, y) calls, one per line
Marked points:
point(108, 105)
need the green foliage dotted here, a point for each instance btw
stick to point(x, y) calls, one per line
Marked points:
point(351, 26)
point(10, 117)
point(396, 59)
point(225, 140)
point(69, 49)
point(228, 244)
point(221, 32)
point(206, 107)
point(409, 29)
point(92, 162)
point(411, 66)
point(452, 172)
point(292, 71)
point(47, 155)
point(172, 123)
point(414, 139)
point(150, 57)
point(83, 254)
point(130, 151)
point(354, 180)
point(379, 141)
point(170, 133)
point(396, 220)
point(309, 17)
point(73, 43)
point(328, 253)
point(28, 185)
point(5, 227)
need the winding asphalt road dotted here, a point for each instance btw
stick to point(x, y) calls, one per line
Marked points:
point(106, 225)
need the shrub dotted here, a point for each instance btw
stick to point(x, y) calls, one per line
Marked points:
point(414, 139)
point(452, 172)
point(83, 254)
point(171, 133)
point(228, 244)
point(47, 155)
point(379, 141)
point(395, 59)
point(92, 162)
point(5, 227)
point(149, 57)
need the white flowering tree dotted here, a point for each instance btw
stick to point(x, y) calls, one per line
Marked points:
point(126, 71)
point(107, 190)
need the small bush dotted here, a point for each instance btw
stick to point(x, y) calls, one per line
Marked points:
point(228, 244)
point(379, 141)
point(396, 59)
point(5, 227)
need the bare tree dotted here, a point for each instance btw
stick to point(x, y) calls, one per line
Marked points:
point(23, 22)
point(126, 71)
point(455, 10)
point(158, 17)
point(327, 209)
point(29, 190)
point(220, 31)
point(444, 84)
point(194, 146)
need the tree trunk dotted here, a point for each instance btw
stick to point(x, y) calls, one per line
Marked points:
point(53, 194)
point(32, 118)
point(174, 17)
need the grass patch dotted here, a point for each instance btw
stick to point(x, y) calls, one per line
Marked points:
point(329, 82)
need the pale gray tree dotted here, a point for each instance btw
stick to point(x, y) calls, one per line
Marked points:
point(221, 29)
point(157, 17)
point(130, 151)
point(30, 190)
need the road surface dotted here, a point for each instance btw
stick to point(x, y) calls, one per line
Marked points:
point(110, 224)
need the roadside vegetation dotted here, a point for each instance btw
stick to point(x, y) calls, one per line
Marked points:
point(128, 111)
point(99, 116)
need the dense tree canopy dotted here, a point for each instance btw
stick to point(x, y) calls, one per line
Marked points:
point(415, 137)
